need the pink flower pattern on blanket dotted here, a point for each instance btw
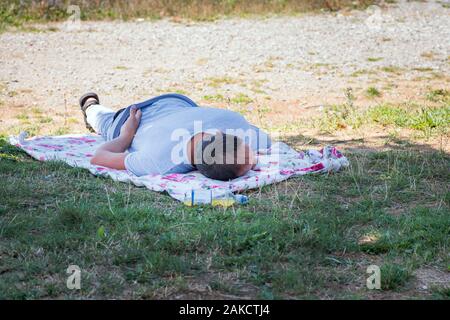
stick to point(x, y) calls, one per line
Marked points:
point(277, 164)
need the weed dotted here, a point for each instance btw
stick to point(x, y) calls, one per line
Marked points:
point(439, 95)
point(373, 92)
point(392, 69)
point(423, 69)
point(362, 72)
point(373, 59)
point(393, 276)
point(214, 98)
point(241, 98)
point(221, 81)
point(341, 116)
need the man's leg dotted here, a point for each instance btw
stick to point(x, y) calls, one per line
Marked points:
point(97, 117)
point(100, 118)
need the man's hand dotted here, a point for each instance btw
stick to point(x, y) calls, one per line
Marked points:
point(112, 154)
point(130, 126)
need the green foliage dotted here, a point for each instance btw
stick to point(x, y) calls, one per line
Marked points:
point(17, 12)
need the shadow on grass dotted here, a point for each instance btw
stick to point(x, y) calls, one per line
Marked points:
point(358, 145)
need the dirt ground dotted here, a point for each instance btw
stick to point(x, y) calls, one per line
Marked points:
point(291, 68)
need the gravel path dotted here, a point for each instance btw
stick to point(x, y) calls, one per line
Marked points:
point(311, 57)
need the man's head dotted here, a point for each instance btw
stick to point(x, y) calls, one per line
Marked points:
point(223, 157)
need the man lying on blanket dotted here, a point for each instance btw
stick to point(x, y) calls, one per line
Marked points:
point(172, 134)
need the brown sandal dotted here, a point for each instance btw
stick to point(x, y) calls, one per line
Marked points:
point(84, 105)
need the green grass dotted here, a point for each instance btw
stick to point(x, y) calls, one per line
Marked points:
point(22, 117)
point(393, 276)
point(296, 239)
point(392, 69)
point(423, 69)
point(439, 95)
point(363, 72)
point(121, 68)
point(238, 99)
point(217, 82)
point(428, 120)
point(373, 92)
point(422, 118)
point(341, 116)
point(241, 98)
point(173, 90)
point(441, 293)
point(214, 98)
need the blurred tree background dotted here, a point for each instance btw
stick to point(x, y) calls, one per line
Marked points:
point(16, 12)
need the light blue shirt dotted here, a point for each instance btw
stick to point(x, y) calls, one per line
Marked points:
point(160, 143)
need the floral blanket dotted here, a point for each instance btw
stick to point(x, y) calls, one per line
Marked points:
point(274, 165)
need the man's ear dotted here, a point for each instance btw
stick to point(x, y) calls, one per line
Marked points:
point(218, 136)
point(198, 147)
point(198, 153)
point(212, 153)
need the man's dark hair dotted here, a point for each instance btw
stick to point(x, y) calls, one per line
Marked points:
point(218, 159)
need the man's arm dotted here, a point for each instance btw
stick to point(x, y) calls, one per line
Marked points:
point(112, 154)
